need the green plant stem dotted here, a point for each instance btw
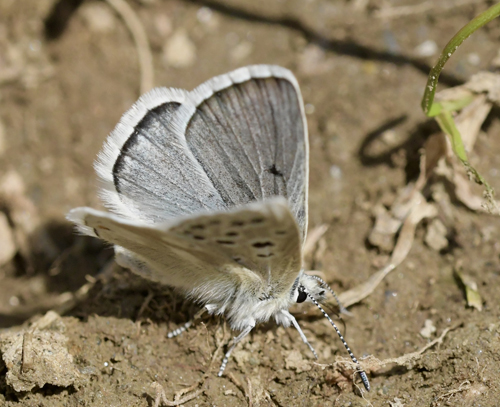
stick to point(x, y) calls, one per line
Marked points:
point(451, 47)
point(447, 124)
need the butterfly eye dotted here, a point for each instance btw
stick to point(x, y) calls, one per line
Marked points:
point(302, 296)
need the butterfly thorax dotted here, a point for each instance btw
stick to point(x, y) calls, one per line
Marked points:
point(254, 302)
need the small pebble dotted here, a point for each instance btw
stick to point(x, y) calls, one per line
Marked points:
point(309, 108)
point(314, 61)
point(473, 59)
point(179, 51)
point(204, 15)
point(241, 51)
point(14, 301)
point(163, 25)
point(336, 172)
point(435, 237)
point(426, 49)
point(428, 329)
point(98, 17)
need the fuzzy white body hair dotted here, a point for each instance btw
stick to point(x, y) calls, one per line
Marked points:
point(239, 299)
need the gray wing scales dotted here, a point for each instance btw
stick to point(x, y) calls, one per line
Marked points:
point(248, 132)
point(151, 168)
point(147, 170)
point(290, 157)
point(237, 138)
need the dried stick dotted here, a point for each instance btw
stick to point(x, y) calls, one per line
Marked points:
point(161, 398)
point(136, 28)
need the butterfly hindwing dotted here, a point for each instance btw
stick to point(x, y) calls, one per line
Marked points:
point(259, 243)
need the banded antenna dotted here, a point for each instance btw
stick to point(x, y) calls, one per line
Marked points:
point(342, 309)
point(361, 372)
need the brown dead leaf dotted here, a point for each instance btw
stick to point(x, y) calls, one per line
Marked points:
point(422, 209)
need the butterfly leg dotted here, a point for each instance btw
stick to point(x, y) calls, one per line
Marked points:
point(184, 327)
point(237, 339)
point(297, 327)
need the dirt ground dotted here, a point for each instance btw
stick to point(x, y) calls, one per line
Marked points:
point(68, 71)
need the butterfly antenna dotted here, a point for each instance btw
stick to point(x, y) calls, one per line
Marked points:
point(361, 372)
point(343, 310)
point(331, 310)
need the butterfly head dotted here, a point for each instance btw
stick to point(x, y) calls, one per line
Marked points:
point(306, 287)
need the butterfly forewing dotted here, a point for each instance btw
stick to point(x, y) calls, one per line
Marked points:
point(146, 168)
point(238, 138)
point(249, 136)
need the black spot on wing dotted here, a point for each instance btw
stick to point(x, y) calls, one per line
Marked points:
point(273, 170)
point(257, 220)
point(225, 242)
point(260, 245)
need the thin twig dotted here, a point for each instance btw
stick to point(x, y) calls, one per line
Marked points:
point(138, 32)
point(414, 355)
point(145, 304)
point(237, 383)
point(161, 398)
point(219, 345)
point(373, 364)
point(422, 209)
point(249, 395)
point(27, 352)
point(313, 237)
point(463, 387)
point(181, 392)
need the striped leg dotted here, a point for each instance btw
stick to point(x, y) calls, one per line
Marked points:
point(237, 339)
point(184, 327)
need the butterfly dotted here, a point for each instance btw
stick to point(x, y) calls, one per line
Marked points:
point(208, 194)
